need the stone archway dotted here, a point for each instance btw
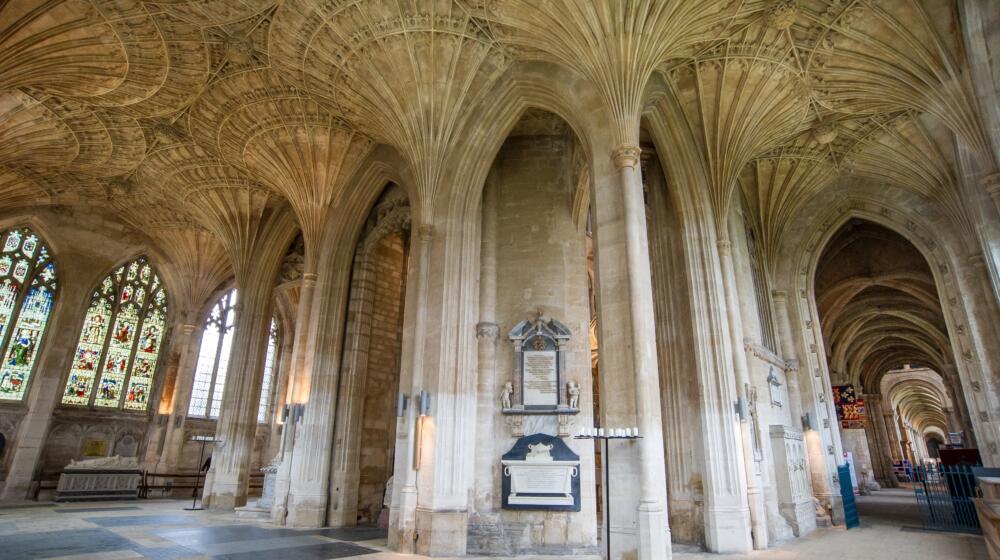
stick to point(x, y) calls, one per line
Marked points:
point(956, 283)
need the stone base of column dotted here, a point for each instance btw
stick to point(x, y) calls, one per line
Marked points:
point(402, 526)
point(306, 511)
point(441, 533)
point(727, 530)
point(222, 500)
point(654, 535)
point(837, 509)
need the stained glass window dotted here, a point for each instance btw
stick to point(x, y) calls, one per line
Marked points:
point(213, 358)
point(269, 359)
point(120, 342)
point(27, 288)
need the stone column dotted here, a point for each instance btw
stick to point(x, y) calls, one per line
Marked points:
point(345, 473)
point(959, 403)
point(317, 388)
point(297, 390)
point(402, 513)
point(487, 332)
point(187, 342)
point(284, 370)
point(58, 347)
point(892, 431)
point(884, 445)
point(755, 497)
point(878, 447)
point(653, 537)
point(786, 342)
point(227, 481)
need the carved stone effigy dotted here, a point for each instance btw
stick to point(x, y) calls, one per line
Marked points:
point(107, 478)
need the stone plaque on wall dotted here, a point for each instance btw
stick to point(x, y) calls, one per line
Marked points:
point(541, 473)
point(539, 365)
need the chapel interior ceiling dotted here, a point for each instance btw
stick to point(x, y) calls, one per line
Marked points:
point(195, 119)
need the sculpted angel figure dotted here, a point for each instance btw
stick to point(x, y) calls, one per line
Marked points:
point(573, 390)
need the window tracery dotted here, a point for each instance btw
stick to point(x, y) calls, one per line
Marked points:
point(213, 358)
point(27, 290)
point(270, 360)
point(119, 345)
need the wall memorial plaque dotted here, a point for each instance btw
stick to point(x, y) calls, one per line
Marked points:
point(539, 366)
point(541, 473)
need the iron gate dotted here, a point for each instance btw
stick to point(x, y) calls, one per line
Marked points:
point(944, 495)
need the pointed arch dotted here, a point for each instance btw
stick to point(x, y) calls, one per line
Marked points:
point(213, 357)
point(119, 346)
point(28, 286)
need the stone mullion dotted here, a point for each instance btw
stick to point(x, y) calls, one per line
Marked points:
point(345, 472)
point(283, 373)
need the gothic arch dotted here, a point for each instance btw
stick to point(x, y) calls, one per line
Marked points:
point(937, 249)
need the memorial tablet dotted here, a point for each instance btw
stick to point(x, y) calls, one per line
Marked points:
point(541, 473)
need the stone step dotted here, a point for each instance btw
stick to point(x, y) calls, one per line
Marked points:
point(253, 512)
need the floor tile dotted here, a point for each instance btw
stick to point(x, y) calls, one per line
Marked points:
point(132, 520)
point(53, 544)
point(316, 552)
point(352, 534)
point(223, 534)
point(95, 509)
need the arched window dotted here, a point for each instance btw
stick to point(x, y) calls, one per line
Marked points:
point(120, 341)
point(213, 358)
point(269, 365)
point(27, 288)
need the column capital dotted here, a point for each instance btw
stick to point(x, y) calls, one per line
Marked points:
point(487, 331)
point(309, 279)
point(188, 328)
point(724, 245)
point(991, 182)
point(779, 295)
point(626, 155)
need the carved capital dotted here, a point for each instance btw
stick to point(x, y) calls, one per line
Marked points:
point(992, 183)
point(779, 295)
point(487, 331)
point(724, 246)
point(626, 156)
point(309, 279)
point(188, 328)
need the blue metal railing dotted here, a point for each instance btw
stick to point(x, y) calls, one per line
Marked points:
point(944, 496)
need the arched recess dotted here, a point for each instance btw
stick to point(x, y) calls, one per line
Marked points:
point(365, 426)
point(956, 280)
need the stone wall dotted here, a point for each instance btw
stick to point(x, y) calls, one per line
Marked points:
point(379, 416)
point(541, 267)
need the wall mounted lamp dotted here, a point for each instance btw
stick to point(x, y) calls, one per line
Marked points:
point(806, 421)
point(425, 403)
point(741, 408)
point(401, 402)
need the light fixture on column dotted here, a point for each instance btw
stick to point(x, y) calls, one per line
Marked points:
point(401, 402)
point(741, 408)
point(806, 422)
point(425, 403)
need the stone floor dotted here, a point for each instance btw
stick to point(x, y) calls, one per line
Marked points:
point(162, 530)
point(890, 530)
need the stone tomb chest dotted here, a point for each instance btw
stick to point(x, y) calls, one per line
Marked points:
point(108, 478)
point(541, 473)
